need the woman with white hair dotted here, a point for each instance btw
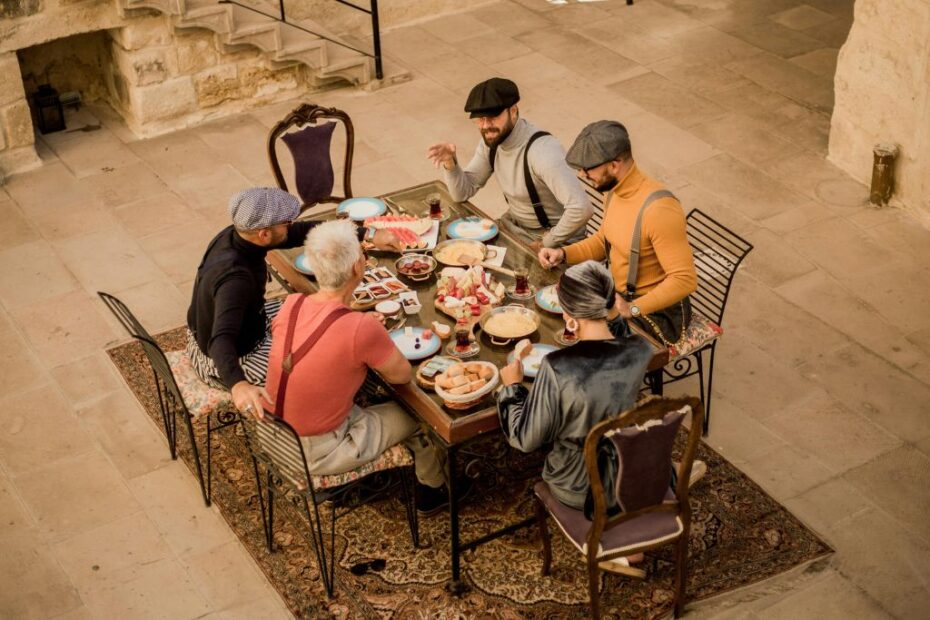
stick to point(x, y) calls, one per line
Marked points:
point(320, 355)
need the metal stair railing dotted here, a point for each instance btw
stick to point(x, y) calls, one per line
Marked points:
point(375, 28)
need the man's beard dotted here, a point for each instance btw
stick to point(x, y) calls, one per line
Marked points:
point(607, 184)
point(503, 135)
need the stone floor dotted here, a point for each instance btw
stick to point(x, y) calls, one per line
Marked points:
point(823, 378)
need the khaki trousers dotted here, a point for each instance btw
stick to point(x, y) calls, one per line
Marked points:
point(364, 435)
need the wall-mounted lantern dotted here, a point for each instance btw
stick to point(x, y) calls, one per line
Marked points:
point(48, 109)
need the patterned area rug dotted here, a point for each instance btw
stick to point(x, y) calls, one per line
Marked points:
point(739, 536)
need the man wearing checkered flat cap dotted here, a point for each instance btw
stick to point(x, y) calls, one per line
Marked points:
point(547, 205)
point(642, 237)
point(229, 320)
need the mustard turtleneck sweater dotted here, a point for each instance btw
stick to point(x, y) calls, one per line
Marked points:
point(666, 268)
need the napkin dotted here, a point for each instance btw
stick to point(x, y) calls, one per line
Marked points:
point(498, 260)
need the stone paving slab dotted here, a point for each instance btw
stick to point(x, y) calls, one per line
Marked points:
point(823, 375)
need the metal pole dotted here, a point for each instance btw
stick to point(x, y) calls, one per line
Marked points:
point(376, 34)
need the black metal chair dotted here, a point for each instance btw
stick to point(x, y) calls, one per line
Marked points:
point(274, 444)
point(653, 514)
point(718, 252)
point(180, 392)
point(309, 143)
point(170, 399)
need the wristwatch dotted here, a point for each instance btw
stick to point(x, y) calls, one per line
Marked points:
point(635, 312)
point(370, 233)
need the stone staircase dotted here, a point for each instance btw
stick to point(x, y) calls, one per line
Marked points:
point(283, 45)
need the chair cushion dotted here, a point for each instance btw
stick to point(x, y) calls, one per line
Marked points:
point(702, 331)
point(313, 167)
point(200, 398)
point(396, 456)
point(650, 528)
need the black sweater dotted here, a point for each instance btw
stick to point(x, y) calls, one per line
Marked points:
point(227, 311)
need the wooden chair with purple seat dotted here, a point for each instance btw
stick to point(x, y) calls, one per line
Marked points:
point(652, 513)
point(309, 141)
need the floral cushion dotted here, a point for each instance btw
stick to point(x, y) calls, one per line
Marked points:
point(396, 456)
point(700, 332)
point(200, 398)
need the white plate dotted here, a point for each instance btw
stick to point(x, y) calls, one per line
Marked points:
point(548, 299)
point(408, 344)
point(359, 209)
point(303, 265)
point(472, 227)
point(533, 360)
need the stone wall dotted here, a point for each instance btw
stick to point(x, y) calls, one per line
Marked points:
point(158, 78)
point(883, 96)
point(164, 79)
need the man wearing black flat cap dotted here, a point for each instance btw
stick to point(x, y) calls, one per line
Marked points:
point(548, 206)
point(638, 211)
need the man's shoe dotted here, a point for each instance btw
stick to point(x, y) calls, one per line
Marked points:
point(431, 500)
point(698, 469)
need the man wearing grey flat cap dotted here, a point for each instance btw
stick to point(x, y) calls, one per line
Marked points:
point(229, 320)
point(637, 211)
point(548, 206)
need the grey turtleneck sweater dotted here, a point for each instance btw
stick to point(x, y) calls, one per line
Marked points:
point(560, 192)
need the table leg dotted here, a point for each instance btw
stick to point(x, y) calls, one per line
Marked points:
point(456, 586)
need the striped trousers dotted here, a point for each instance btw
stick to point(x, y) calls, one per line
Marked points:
point(254, 363)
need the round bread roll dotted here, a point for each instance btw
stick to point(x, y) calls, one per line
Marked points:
point(456, 370)
point(486, 373)
point(474, 385)
point(459, 380)
point(444, 381)
point(473, 368)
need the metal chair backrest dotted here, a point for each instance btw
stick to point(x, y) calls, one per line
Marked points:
point(164, 376)
point(597, 201)
point(307, 117)
point(718, 252)
point(275, 442)
point(653, 409)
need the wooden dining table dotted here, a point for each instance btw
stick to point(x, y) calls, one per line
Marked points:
point(452, 428)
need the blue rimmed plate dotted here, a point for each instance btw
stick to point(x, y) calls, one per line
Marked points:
point(548, 299)
point(472, 227)
point(414, 346)
point(359, 209)
point(532, 361)
point(303, 265)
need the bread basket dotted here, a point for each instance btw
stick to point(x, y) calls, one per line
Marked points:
point(466, 401)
